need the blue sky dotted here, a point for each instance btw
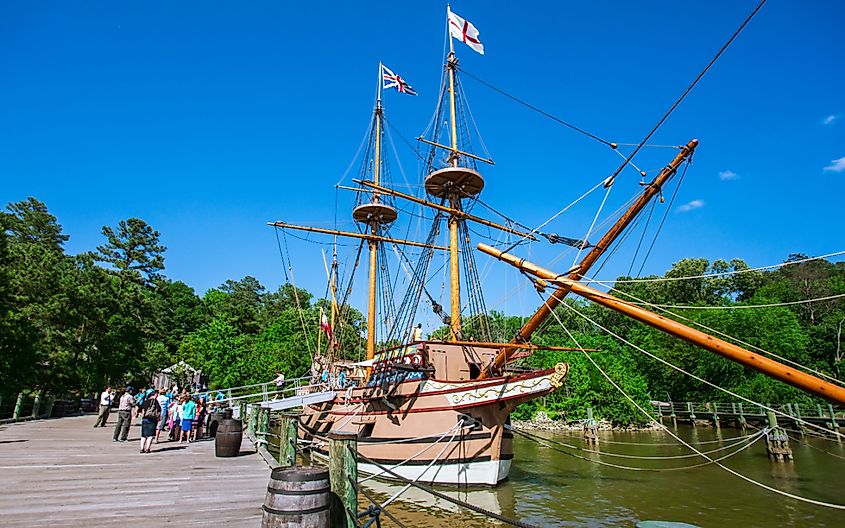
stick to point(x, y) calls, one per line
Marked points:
point(208, 119)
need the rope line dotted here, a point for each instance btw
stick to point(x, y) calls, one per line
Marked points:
point(543, 442)
point(740, 306)
point(538, 110)
point(679, 439)
point(641, 302)
point(687, 91)
point(682, 371)
point(718, 273)
point(447, 498)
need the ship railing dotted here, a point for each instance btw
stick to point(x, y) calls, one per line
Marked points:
point(262, 392)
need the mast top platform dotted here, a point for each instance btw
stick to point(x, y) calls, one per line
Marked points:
point(374, 212)
point(465, 181)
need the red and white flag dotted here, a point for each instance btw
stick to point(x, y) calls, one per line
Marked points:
point(464, 31)
point(324, 324)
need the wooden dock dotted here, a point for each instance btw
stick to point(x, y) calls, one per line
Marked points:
point(63, 472)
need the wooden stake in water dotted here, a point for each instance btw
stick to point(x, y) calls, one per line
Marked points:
point(287, 439)
point(343, 472)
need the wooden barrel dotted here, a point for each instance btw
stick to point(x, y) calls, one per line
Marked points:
point(227, 441)
point(216, 418)
point(297, 498)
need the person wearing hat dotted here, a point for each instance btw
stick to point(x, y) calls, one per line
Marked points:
point(124, 415)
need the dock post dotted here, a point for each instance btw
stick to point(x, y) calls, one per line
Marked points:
point(36, 405)
point(798, 421)
point(777, 442)
point(48, 407)
point(741, 420)
point(591, 434)
point(18, 407)
point(287, 439)
point(691, 413)
point(833, 425)
point(715, 415)
point(672, 415)
point(343, 472)
point(253, 419)
point(263, 427)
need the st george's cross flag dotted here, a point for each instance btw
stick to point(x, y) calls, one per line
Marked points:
point(465, 32)
point(324, 324)
point(391, 80)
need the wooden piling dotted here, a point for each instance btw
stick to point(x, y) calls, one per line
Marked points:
point(741, 420)
point(591, 434)
point(263, 427)
point(253, 419)
point(799, 423)
point(48, 407)
point(777, 442)
point(834, 426)
point(18, 406)
point(714, 415)
point(36, 405)
point(343, 471)
point(287, 439)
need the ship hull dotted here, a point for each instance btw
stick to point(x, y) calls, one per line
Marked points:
point(432, 431)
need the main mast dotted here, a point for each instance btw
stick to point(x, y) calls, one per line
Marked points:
point(453, 184)
point(374, 215)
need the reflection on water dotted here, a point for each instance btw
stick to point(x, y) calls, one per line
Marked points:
point(548, 488)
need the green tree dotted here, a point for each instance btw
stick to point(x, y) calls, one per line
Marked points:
point(133, 248)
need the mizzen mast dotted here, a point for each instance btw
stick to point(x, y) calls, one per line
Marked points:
point(374, 216)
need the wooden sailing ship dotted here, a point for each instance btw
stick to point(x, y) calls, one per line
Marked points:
point(437, 411)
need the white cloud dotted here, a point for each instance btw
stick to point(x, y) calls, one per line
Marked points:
point(726, 175)
point(837, 165)
point(830, 119)
point(695, 204)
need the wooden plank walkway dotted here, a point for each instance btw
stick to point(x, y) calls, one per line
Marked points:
point(63, 472)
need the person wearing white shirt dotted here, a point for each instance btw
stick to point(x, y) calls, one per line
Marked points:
point(106, 397)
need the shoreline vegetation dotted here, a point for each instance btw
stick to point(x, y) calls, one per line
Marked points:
point(542, 422)
point(72, 324)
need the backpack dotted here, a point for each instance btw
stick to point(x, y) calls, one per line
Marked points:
point(153, 410)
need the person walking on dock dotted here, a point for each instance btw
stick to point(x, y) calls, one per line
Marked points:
point(280, 384)
point(151, 414)
point(189, 412)
point(164, 403)
point(124, 415)
point(106, 397)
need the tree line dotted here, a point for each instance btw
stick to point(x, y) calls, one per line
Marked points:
point(70, 324)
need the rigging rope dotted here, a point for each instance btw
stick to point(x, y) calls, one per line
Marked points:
point(447, 498)
point(687, 91)
point(665, 214)
point(681, 370)
point(741, 306)
point(539, 111)
point(540, 440)
point(716, 274)
point(723, 334)
point(676, 437)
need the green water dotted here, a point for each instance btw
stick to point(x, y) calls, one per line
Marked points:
point(547, 488)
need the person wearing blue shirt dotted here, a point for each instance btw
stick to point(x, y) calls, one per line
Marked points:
point(189, 412)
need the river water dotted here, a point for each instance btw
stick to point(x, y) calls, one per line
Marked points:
point(549, 488)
